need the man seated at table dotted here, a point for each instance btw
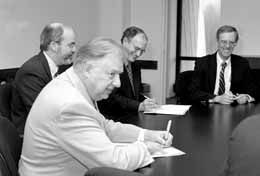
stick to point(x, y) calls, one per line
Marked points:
point(223, 77)
point(244, 149)
point(128, 98)
point(57, 45)
point(66, 135)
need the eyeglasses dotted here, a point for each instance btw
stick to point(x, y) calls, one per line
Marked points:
point(226, 42)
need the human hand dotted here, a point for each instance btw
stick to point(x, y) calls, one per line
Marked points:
point(225, 98)
point(148, 104)
point(242, 98)
point(161, 137)
point(153, 146)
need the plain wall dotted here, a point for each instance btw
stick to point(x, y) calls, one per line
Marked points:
point(245, 16)
point(22, 22)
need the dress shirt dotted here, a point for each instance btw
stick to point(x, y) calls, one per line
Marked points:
point(227, 74)
point(53, 67)
point(227, 77)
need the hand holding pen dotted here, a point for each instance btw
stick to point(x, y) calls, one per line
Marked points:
point(163, 138)
point(148, 104)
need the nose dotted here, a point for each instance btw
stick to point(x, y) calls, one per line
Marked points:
point(138, 53)
point(116, 81)
point(228, 44)
point(73, 49)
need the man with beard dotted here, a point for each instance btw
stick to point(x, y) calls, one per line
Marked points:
point(223, 77)
point(57, 45)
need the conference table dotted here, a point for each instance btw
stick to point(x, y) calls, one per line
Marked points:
point(202, 133)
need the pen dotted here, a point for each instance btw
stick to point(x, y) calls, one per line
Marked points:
point(146, 96)
point(168, 128)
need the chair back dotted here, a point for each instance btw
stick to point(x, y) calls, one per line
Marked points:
point(181, 87)
point(10, 148)
point(5, 99)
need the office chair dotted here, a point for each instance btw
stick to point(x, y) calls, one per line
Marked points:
point(10, 148)
point(5, 98)
point(181, 87)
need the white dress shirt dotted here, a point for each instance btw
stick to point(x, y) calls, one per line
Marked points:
point(227, 74)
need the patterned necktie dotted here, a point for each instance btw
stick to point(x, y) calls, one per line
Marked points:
point(221, 89)
point(130, 75)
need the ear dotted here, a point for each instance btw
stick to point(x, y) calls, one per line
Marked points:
point(125, 41)
point(53, 46)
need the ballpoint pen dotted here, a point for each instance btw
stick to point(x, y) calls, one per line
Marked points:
point(146, 96)
point(168, 128)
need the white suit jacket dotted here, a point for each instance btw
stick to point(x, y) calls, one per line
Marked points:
point(65, 135)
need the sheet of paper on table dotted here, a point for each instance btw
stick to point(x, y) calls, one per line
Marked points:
point(169, 151)
point(170, 109)
point(165, 152)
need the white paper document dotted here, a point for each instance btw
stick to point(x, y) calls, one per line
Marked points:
point(165, 152)
point(169, 151)
point(170, 109)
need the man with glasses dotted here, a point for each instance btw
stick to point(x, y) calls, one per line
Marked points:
point(128, 98)
point(57, 45)
point(223, 77)
point(66, 135)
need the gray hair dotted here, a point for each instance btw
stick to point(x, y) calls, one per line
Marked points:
point(225, 29)
point(96, 49)
point(51, 32)
point(131, 32)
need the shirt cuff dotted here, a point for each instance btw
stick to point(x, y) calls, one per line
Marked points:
point(141, 135)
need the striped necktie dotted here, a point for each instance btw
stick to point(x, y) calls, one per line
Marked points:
point(221, 89)
point(130, 75)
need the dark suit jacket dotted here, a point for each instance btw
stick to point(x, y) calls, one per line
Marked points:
point(203, 82)
point(244, 149)
point(33, 75)
point(123, 100)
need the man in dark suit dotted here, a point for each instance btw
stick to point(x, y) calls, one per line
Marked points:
point(223, 77)
point(57, 45)
point(128, 98)
point(244, 149)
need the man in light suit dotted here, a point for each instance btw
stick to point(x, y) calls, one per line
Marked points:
point(244, 149)
point(128, 98)
point(66, 135)
point(57, 44)
point(237, 83)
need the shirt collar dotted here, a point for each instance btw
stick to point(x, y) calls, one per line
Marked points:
point(220, 61)
point(52, 65)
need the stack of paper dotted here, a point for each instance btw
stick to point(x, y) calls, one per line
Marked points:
point(170, 109)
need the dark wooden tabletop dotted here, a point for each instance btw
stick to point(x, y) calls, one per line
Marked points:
point(202, 133)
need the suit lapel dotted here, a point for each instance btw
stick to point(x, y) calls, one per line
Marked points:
point(126, 77)
point(233, 69)
point(45, 65)
point(212, 71)
point(135, 80)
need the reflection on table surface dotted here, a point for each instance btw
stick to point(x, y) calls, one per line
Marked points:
point(202, 133)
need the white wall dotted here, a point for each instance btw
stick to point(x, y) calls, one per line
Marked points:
point(22, 22)
point(245, 16)
point(171, 49)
